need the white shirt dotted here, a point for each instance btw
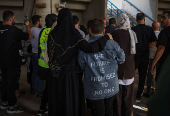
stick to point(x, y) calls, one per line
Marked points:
point(157, 33)
point(81, 32)
point(152, 49)
point(126, 81)
point(34, 39)
point(87, 37)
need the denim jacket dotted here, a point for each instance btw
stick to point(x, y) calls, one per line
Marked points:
point(100, 77)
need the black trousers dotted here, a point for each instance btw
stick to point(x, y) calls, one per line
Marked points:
point(159, 67)
point(17, 87)
point(44, 98)
point(102, 107)
point(141, 62)
point(149, 77)
point(123, 104)
point(10, 77)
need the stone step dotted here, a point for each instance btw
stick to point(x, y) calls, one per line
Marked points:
point(160, 11)
point(12, 3)
point(81, 0)
point(164, 0)
point(164, 5)
point(75, 5)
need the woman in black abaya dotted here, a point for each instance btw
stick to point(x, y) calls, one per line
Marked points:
point(66, 94)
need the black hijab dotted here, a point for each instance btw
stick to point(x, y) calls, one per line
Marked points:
point(65, 34)
point(63, 39)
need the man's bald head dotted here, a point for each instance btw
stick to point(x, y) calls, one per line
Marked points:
point(156, 26)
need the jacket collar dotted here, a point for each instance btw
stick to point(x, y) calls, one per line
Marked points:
point(94, 38)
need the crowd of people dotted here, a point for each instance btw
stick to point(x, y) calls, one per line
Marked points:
point(99, 66)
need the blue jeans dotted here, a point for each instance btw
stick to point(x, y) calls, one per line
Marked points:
point(37, 83)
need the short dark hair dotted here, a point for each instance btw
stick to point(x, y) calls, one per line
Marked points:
point(50, 19)
point(168, 13)
point(35, 19)
point(75, 19)
point(97, 26)
point(140, 16)
point(7, 15)
point(112, 21)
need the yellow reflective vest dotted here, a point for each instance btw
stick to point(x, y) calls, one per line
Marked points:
point(42, 44)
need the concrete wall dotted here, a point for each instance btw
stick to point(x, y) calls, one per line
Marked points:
point(20, 12)
point(53, 6)
point(146, 6)
point(17, 11)
point(95, 9)
point(45, 11)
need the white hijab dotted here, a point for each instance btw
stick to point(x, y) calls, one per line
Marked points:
point(123, 22)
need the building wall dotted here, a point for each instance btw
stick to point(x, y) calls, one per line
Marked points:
point(146, 6)
point(95, 9)
point(17, 11)
point(54, 2)
point(20, 12)
point(45, 11)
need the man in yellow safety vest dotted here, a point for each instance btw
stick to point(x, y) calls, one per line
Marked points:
point(43, 68)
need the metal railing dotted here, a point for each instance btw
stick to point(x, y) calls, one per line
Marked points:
point(114, 11)
point(139, 10)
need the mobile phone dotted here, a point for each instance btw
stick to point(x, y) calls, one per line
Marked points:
point(25, 19)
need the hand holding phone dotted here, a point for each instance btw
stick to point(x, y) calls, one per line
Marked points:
point(25, 19)
point(27, 23)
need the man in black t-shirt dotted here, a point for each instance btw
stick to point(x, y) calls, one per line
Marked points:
point(10, 37)
point(163, 44)
point(146, 37)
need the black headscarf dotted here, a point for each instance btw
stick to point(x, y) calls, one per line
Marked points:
point(65, 33)
point(63, 39)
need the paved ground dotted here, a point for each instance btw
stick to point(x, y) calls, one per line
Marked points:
point(31, 102)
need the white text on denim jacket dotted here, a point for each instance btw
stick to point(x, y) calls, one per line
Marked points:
point(102, 78)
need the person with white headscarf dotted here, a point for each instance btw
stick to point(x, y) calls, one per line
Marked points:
point(126, 38)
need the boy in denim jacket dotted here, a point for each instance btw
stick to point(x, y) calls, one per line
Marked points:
point(100, 77)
